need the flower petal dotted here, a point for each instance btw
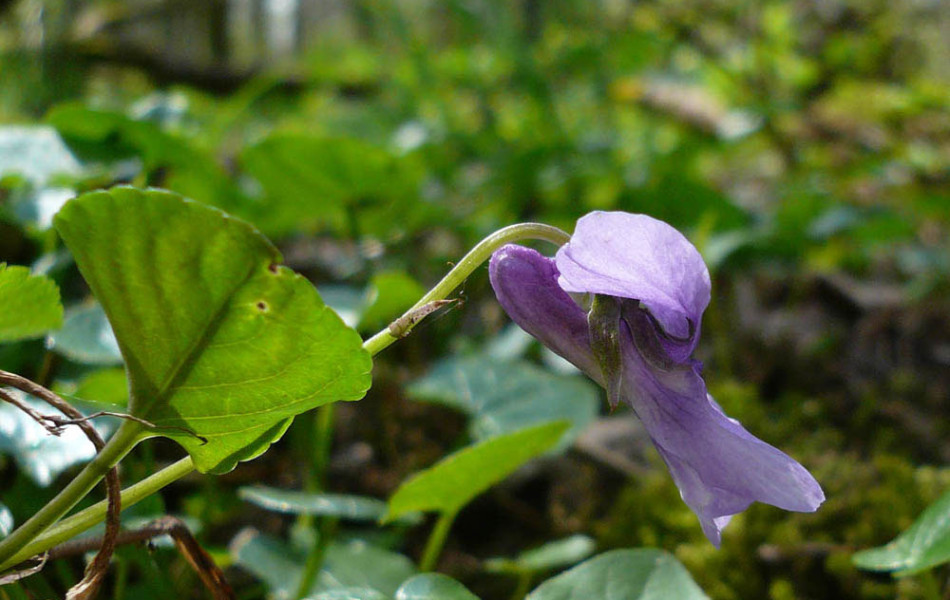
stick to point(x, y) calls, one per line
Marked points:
point(639, 257)
point(719, 467)
point(525, 282)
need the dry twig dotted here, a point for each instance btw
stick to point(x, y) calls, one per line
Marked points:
point(96, 570)
point(211, 575)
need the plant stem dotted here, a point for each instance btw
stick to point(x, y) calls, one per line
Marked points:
point(324, 534)
point(436, 541)
point(471, 261)
point(523, 587)
point(324, 528)
point(89, 517)
point(118, 446)
point(323, 445)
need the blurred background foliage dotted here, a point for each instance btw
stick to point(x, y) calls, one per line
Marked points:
point(803, 145)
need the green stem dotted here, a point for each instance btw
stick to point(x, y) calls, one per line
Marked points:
point(524, 585)
point(323, 528)
point(324, 443)
point(324, 533)
point(471, 261)
point(436, 541)
point(117, 447)
point(89, 517)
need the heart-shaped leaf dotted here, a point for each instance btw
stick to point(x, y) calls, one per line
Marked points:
point(642, 574)
point(29, 304)
point(433, 586)
point(454, 481)
point(923, 545)
point(217, 339)
point(505, 396)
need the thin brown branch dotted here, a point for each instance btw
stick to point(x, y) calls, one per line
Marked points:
point(46, 422)
point(25, 572)
point(209, 572)
point(96, 570)
point(148, 424)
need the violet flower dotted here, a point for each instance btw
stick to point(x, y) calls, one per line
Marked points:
point(623, 301)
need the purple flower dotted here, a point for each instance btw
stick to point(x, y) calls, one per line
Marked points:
point(623, 301)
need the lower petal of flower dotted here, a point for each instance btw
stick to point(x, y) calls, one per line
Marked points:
point(719, 467)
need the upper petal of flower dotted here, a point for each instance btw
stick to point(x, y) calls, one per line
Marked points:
point(638, 257)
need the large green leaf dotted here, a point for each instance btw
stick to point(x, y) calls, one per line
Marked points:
point(505, 396)
point(433, 586)
point(642, 574)
point(923, 545)
point(451, 483)
point(29, 304)
point(217, 339)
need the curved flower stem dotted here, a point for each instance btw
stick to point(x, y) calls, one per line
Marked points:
point(89, 517)
point(471, 261)
point(440, 533)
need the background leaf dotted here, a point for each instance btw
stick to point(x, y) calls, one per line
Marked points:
point(39, 156)
point(454, 481)
point(312, 182)
point(559, 553)
point(216, 338)
point(29, 304)
point(349, 594)
point(388, 295)
point(924, 545)
point(505, 396)
point(353, 564)
point(6, 521)
point(433, 586)
point(355, 508)
point(38, 454)
point(643, 574)
point(86, 337)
